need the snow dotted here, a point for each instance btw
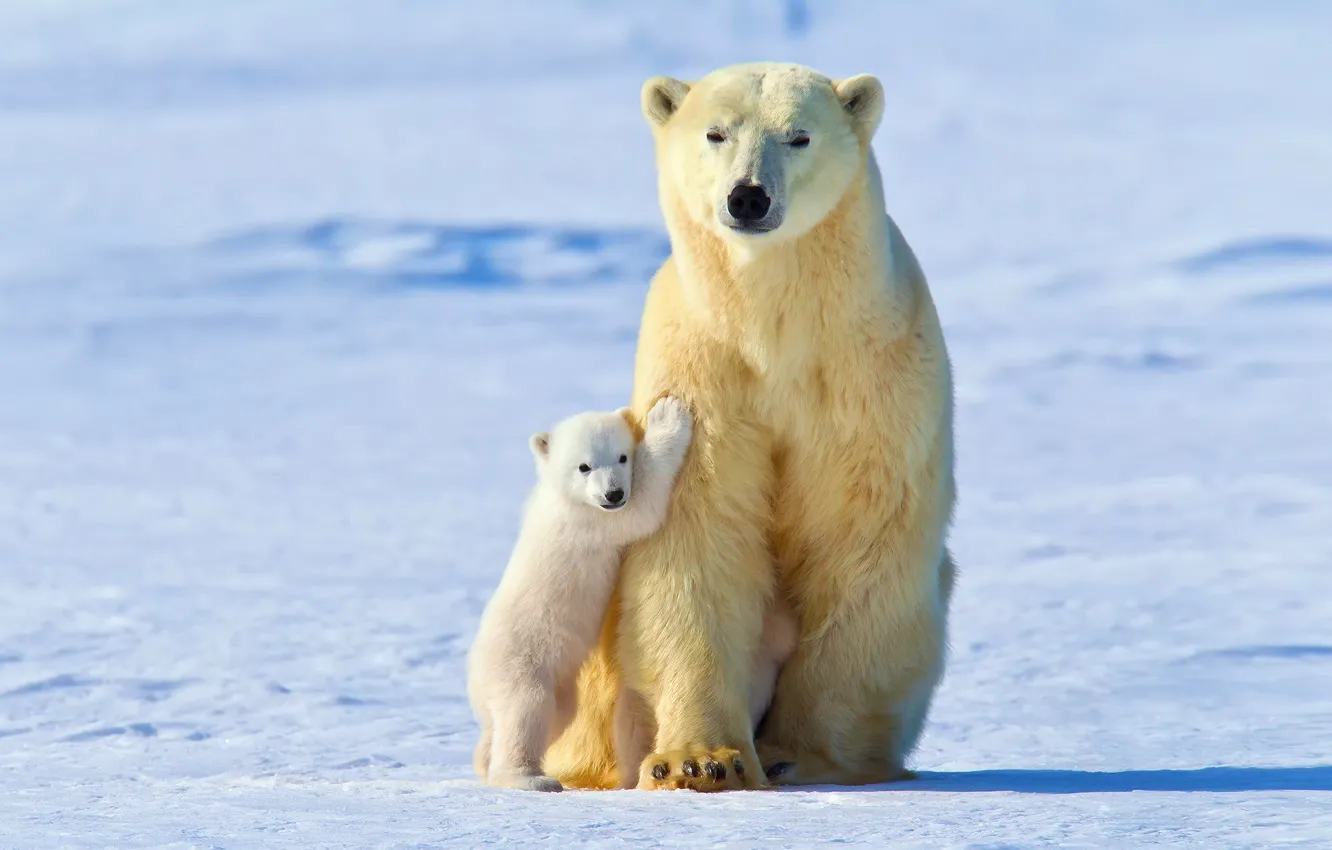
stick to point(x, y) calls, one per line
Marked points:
point(285, 287)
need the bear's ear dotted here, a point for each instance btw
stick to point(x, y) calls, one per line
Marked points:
point(660, 97)
point(862, 98)
point(540, 444)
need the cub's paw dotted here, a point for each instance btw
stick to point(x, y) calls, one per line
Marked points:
point(524, 782)
point(698, 769)
point(670, 417)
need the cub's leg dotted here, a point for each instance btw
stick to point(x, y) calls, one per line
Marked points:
point(481, 758)
point(521, 720)
point(566, 704)
point(633, 735)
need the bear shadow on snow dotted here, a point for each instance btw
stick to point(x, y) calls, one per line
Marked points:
point(1217, 780)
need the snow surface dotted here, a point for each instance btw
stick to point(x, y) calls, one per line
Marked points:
point(285, 286)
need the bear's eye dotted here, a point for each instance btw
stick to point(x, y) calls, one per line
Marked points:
point(584, 468)
point(624, 458)
point(716, 137)
point(800, 140)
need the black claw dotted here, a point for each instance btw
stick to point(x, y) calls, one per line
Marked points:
point(739, 767)
point(715, 770)
point(659, 771)
point(690, 767)
point(779, 768)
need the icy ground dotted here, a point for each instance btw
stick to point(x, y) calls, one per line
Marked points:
point(284, 287)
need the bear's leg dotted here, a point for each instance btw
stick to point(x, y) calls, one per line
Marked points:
point(693, 598)
point(521, 730)
point(583, 756)
point(781, 632)
point(838, 720)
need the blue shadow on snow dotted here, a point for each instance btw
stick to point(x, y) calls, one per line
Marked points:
point(1209, 779)
point(1271, 249)
point(414, 255)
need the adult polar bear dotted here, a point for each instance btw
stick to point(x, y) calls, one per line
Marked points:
point(795, 322)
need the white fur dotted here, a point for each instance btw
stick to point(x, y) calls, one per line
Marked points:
point(545, 617)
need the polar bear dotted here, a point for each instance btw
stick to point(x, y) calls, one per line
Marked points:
point(633, 736)
point(794, 320)
point(596, 492)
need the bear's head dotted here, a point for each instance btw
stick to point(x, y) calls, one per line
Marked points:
point(760, 153)
point(588, 458)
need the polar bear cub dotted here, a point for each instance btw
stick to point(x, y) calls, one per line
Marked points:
point(596, 492)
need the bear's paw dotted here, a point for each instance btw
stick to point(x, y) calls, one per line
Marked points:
point(698, 769)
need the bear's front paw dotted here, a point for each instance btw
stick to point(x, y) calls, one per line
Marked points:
point(698, 769)
point(670, 418)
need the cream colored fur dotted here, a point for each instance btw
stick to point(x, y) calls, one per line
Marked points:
point(544, 618)
point(822, 466)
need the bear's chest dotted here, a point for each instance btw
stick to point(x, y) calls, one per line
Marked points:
point(822, 404)
point(843, 429)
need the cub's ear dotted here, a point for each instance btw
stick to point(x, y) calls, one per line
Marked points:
point(627, 414)
point(862, 98)
point(540, 444)
point(661, 97)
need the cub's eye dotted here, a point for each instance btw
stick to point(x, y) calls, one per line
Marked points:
point(624, 458)
point(716, 137)
point(800, 140)
point(584, 468)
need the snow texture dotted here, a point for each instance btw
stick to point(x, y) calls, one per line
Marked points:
point(285, 286)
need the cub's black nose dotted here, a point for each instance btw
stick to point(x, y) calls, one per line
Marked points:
point(615, 496)
point(748, 203)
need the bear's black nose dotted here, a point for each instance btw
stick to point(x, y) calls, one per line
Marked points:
point(748, 203)
point(614, 496)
